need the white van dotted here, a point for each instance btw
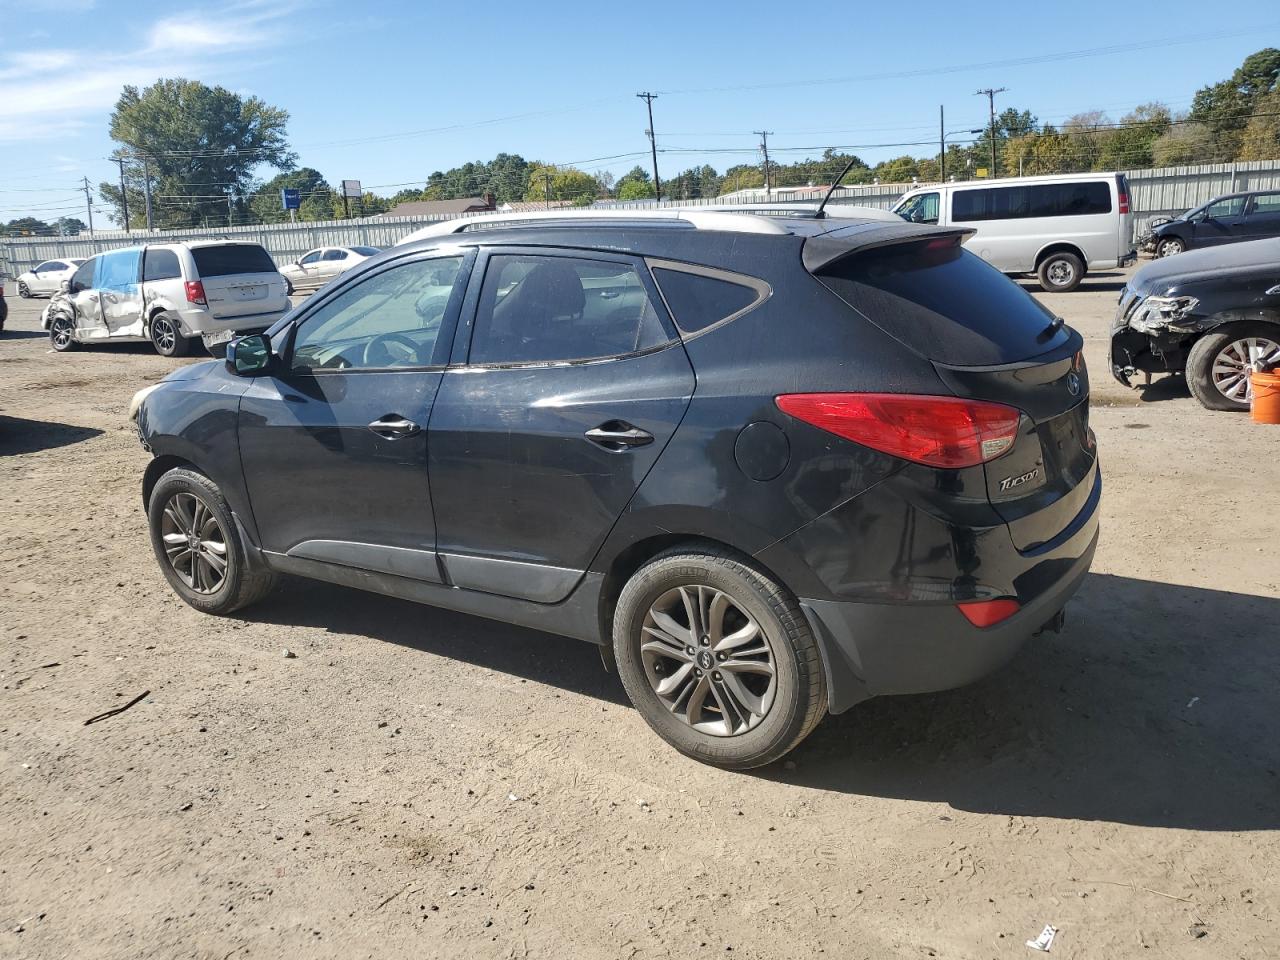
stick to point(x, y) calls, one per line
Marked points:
point(1057, 227)
point(171, 294)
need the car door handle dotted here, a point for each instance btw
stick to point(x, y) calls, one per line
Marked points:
point(394, 427)
point(618, 435)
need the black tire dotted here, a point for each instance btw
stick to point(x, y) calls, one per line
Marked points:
point(23, 292)
point(288, 287)
point(241, 583)
point(1205, 352)
point(167, 338)
point(61, 333)
point(1170, 246)
point(799, 695)
point(1060, 272)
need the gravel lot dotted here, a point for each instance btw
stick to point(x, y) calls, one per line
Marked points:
point(420, 783)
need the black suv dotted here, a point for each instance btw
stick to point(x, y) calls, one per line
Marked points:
point(1229, 219)
point(773, 465)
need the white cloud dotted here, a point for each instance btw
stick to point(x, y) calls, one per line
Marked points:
point(45, 93)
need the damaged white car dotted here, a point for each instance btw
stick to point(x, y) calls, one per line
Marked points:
point(170, 294)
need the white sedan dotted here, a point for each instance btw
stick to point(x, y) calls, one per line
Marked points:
point(46, 279)
point(317, 267)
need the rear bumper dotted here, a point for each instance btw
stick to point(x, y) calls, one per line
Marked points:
point(874, 649)
point(198, 322)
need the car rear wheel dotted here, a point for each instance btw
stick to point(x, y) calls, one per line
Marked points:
point(198, 545)
point(718, 658)
point(62, 333)
point(1168, 246)
point(1220, 364)
point(1060, 272)
point(23, 291)
point(167, 338)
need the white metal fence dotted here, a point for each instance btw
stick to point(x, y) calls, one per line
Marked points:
point(1159, 192)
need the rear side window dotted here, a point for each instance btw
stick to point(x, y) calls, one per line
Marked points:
point(698, 301)
point(334, 255)
point(1266, 203)
point(160, 265)
point(1024, 201)
point(540, 309)
point(231, 259)
point(945, 303)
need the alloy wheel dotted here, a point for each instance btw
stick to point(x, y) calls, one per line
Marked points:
point(1237, 360)
point(194, 542)
point(23, 291)
point(1167, 248)
point(60, 329)
point(708, 661)
point(164, 335)
point(1061, 273)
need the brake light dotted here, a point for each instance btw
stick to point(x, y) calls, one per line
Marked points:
point(1124, 199)
point(987, 613)
point(936, 431)
point(195, 292)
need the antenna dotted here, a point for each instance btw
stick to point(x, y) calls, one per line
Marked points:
point(818, 214)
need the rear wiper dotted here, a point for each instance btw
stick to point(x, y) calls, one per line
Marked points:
point(1054, 326)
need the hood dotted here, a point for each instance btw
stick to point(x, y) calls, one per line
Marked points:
point(193, 371)
point(1211, 263)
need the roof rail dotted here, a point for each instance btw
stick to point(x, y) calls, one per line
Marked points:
point(734, 220)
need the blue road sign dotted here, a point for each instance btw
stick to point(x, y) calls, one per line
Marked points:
point(290, 199)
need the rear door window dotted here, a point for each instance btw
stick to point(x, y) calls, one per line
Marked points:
point(335, 255)
point(160, 264)
point(118, 270)
point(1072, 198)
point(231, 259)
point(945, 303)
point(697, 300)
point(538, 309)
point(1268, 203)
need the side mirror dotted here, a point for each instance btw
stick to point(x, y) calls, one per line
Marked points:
point(65, 286)
point(249, 356)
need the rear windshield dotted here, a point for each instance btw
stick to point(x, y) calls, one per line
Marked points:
point(945, 303)
point(233, 258)
point(367, 251)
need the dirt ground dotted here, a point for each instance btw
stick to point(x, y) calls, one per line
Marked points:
point(420, 783)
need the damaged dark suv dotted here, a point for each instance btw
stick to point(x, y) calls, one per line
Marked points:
point(1211, 314)
point(772, 465)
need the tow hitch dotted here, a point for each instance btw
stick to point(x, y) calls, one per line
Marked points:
point(1054, 624)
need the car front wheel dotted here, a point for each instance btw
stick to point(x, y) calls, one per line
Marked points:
point(1168, 246)
point(718, 658)
point(1221, 363)
point(23, 291)
point(62, 335)
point(198, 545)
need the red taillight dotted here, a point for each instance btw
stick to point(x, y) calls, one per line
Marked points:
point(935, 431)
point(195, 292)
point(987, 613)
point(1124, 203)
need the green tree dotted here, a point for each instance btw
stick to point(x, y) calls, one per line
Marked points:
point(203, 144)
point(897, 170)
point(1261, 137)
point(562, 183)
point(744, 176)
point(69, 226)
point(26, 225)
point(635, 184)
point(1129, 146)
point(1182, 144)
point(315, 194)
point(1226, 107)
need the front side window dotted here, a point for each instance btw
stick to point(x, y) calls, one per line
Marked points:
point(311, 257)
point(83, 277)
point(1230, 207)
point(541, 309)
point(391, 319)
point(922, 208)
point(118, 270)
point(160, 264)
point(48, 265)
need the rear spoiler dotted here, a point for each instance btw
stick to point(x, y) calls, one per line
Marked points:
point(825, 249)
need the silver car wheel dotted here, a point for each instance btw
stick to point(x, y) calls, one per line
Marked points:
point(708, 660)
point(23, 291)
point(60, 329)
point(1237, 360)
point(163, 334)
point(1167, 248)
point(1061, 273)
point(194, 542)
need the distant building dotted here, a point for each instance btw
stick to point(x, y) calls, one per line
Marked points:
point(526, 206)
point(435, 208)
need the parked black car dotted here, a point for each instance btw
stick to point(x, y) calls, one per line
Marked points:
point(4, 306)
point(1229, 219)
point(1211, 314)
point(773, 466)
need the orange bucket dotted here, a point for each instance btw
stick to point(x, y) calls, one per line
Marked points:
point(1265, 407)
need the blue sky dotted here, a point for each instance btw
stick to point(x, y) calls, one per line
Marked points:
point(386, 92)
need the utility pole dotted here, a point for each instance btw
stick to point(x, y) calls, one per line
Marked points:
point(648, 98)
point(546, 187)
point(124, 197)
point(88, 200)
point(942, 145)
point(764, 146)
point(990, 94)
point(146, 189)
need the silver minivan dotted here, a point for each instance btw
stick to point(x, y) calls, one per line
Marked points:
point(171, 294)
point(1057, 227)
